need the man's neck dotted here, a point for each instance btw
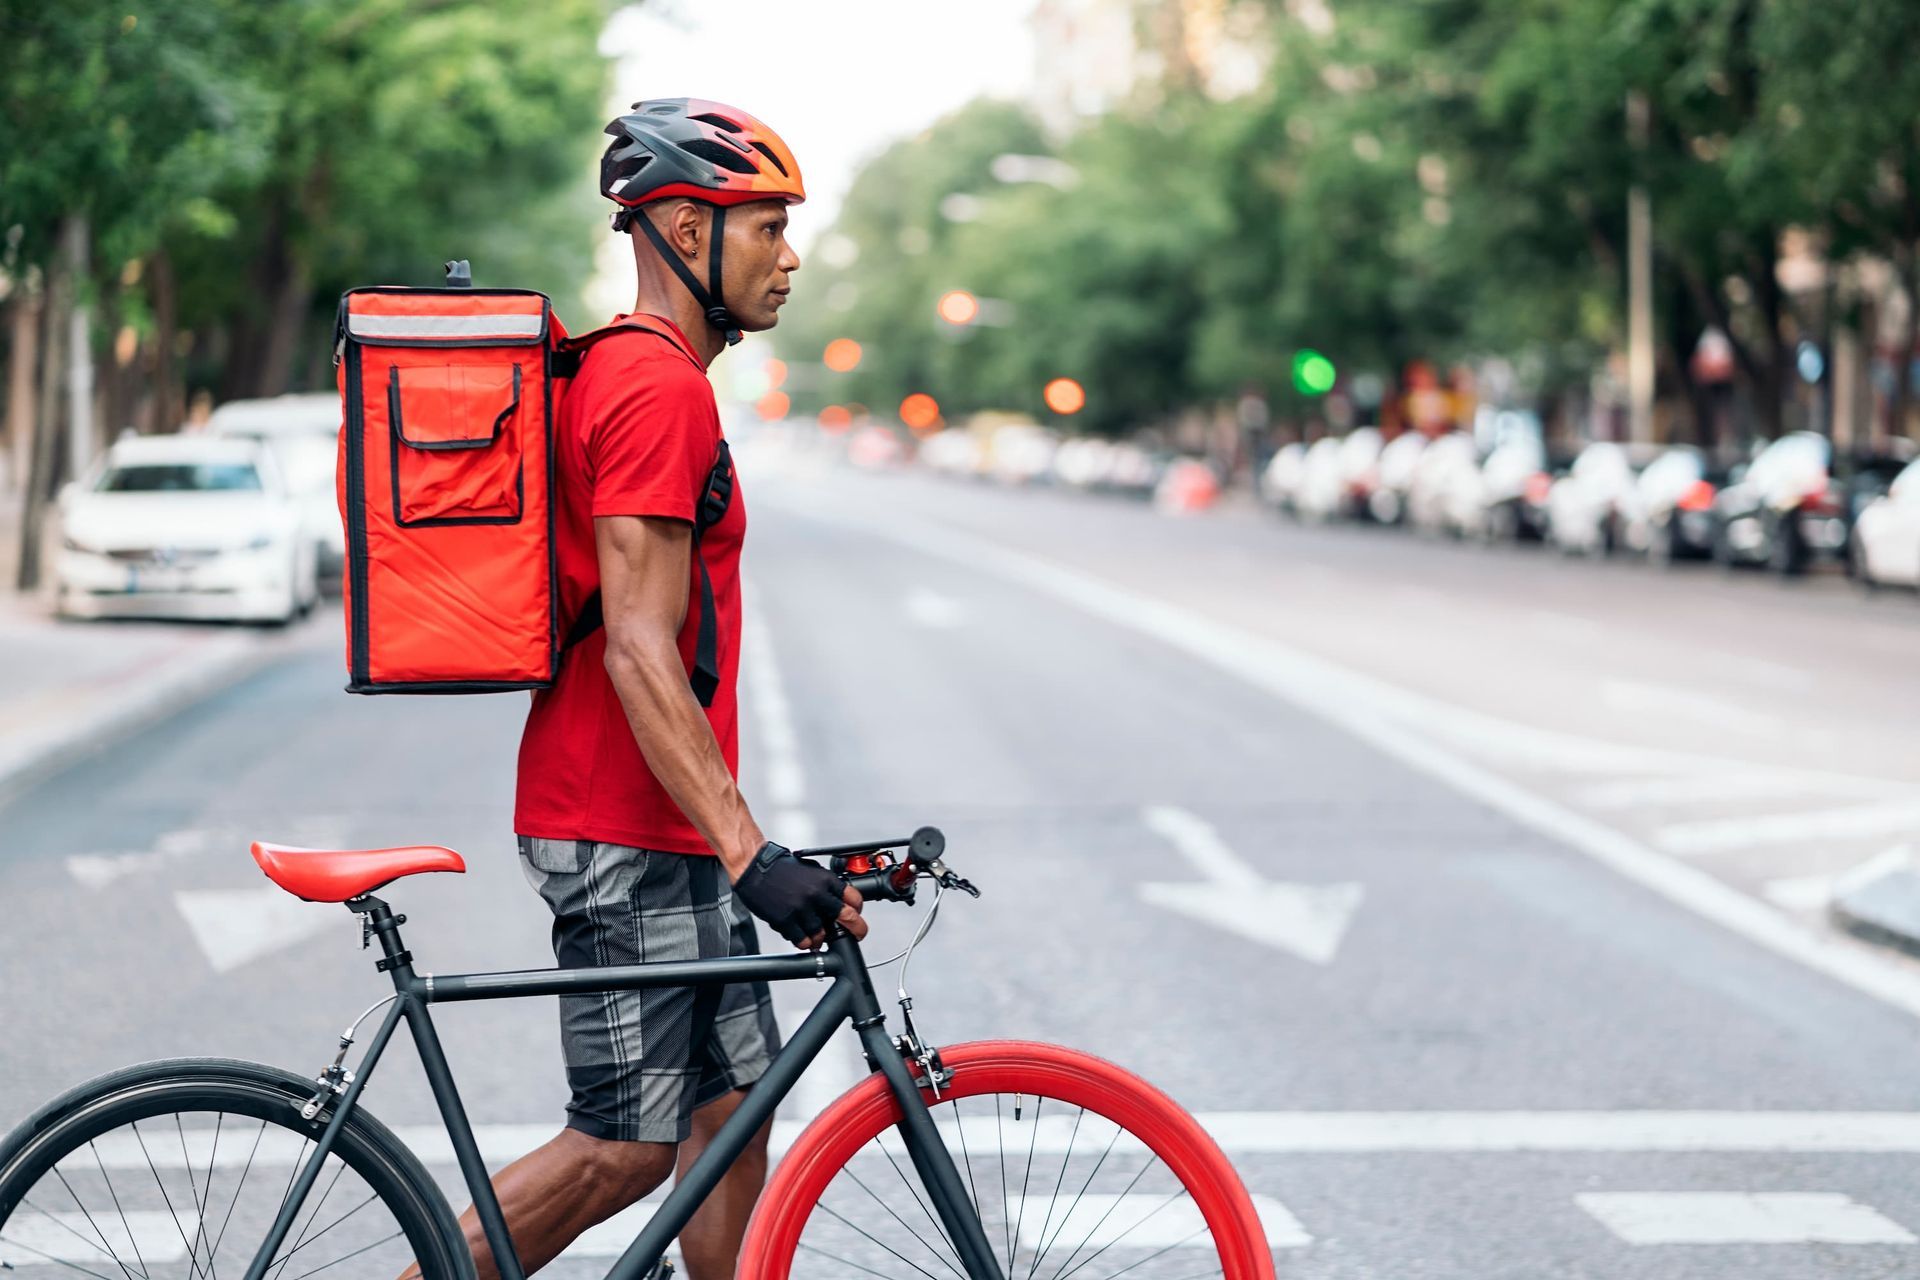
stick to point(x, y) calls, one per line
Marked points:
point(707, 341)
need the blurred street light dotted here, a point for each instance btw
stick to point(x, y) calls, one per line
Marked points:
point(773, 406)
point(842, 355)
point(920, 411)
point(776, 374)
point(1065, 396)
point(835, 418)
point(958, 307)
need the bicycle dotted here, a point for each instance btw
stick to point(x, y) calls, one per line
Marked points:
point(819, 1215)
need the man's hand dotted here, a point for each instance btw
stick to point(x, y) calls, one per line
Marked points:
point(800, 900)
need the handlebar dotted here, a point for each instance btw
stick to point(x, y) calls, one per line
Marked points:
point(871, 867)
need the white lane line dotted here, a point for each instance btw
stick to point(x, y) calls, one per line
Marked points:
point(1275, 1133)
point(1368, 710)
point(1307, 920)
point(235, 926)
point(152, 1235)
point(930, 609)
point(1711, 1217)
point(1812, 893)
point(1637, 698)
point(1711, 788)
point(1140, 1220)
point(786, 788)
point(1853, 822)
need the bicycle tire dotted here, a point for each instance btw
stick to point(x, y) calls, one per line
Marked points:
point(182, 1086)
point(1021, 1068)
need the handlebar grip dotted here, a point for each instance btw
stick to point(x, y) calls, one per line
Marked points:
point(896, 884)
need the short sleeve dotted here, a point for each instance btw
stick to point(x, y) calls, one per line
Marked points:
point(652, 432)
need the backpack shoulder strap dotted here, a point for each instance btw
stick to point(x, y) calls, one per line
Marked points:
point(569, 354)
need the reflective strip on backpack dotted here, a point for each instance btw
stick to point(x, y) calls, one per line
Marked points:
point(500, 325)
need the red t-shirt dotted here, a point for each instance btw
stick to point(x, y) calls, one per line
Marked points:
point(635, 436)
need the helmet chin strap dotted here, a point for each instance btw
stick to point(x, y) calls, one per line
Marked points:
point(708, 296)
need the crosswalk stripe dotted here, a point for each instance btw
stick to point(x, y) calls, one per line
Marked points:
point(1712, 1217)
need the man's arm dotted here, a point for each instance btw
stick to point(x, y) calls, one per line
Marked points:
point(646, 565)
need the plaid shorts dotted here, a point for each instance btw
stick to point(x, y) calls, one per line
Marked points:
point(640, 1062)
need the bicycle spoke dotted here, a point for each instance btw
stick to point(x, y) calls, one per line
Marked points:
point(236, 1192)
point(1026, 1177)
point(959, 1274)
point(300, 1241)
point(961, 1125)
point(68, 1228)
point(73, 1266)
point(1200, 1230)
point(1080, 1114)
point(915, 1193)
point(124, 1269)
point(356, 1253)
point(999, 1128)
point(199, 1214)
point(206, 1192)
point(164, 1197)
point(896, 1253)
point(845, 1262)
point(132, 1238)
point(1046, 1246)
point(1117, 1202)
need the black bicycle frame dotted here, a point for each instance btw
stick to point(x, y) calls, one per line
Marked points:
point(849, 998)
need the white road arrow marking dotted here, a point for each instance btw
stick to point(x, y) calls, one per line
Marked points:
point(234, 926)
point(1307, 920)
point(931, 609)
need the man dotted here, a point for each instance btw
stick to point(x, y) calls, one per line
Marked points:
point(631, 825)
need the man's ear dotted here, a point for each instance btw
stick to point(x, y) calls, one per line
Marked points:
point(685, 231)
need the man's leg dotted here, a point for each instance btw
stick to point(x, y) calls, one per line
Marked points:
point(552, 1194)
point(710, 1242)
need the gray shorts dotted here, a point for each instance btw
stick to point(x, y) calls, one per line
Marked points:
point(640, 1062)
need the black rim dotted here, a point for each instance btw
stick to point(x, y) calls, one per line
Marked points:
point(182, 1183)
point(1062, 1192)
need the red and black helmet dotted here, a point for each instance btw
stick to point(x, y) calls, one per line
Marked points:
point(704, 151)
point(692, 147)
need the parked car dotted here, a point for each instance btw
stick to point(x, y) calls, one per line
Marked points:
point(1399, 458)
point(1322, 481)
point(1446, 469)
point(1507, 499)
point(1021, 454)
point(1885, 544)
point(1796, 502)
point(1359, 471)
point(1591, 505)
point(1280, 480)
point(185, 527)
point(303, 430)
point(1672, 517)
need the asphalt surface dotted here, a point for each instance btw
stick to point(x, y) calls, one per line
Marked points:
point(1455, 757)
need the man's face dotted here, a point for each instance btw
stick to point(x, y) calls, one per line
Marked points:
point(756, 262)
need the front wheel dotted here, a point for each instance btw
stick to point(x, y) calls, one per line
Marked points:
point(1076, 1168)
point(161, 1170)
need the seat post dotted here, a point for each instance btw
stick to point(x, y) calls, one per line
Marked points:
point(380, 921)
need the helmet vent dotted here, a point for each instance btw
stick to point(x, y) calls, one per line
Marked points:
point(725, 157)
point(717, 121)
point(772, 159)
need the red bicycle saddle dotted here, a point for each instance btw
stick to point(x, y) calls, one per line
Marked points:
point(334, 875)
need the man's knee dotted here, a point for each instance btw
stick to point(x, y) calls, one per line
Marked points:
point(624, 1171)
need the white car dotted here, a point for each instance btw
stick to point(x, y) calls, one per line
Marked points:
point(303, 430)
point(184, 527)
point(1886, 535)
point(1322, 485)
point(1359, 469)
point(1448, 468)
point(1280, 481)
point(1398, 461)
point(1590, 509)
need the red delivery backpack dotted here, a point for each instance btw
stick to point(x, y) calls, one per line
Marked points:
point(446, 488)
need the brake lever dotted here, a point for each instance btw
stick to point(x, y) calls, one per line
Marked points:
point(945, 877)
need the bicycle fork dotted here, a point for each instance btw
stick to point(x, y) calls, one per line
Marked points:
point(931, 1159)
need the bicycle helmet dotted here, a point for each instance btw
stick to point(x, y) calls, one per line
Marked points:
point(702, 150)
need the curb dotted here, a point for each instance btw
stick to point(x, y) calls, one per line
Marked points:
point(1883, 906)
point(36, 755)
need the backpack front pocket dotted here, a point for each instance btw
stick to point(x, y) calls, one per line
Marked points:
point(456, 443)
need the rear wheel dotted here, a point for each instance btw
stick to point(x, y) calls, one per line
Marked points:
point(160, 1170)
point(1075, 1167)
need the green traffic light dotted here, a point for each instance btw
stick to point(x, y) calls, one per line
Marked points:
point(1313, 373)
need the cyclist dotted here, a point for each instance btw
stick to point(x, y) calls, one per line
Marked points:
point(630, 821)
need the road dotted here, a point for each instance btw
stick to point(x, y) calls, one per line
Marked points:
point(1444, 884)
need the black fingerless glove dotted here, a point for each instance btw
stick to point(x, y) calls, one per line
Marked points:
point(798, 898)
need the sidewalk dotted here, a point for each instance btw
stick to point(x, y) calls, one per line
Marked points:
point(68, 688)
